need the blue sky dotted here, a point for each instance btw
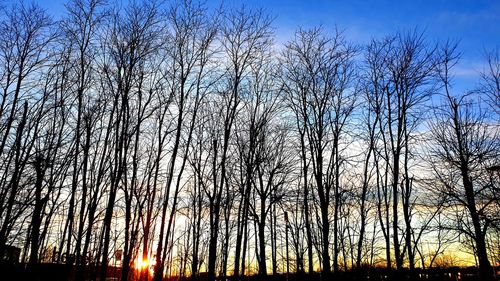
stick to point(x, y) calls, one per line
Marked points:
point(475, 23)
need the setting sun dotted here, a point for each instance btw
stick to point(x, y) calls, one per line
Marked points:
point(143, 263)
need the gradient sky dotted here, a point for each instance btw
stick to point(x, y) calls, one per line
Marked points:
point(474, 23)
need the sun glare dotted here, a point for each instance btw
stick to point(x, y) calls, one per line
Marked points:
point(143, 263)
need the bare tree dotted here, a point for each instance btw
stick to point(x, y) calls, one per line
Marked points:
point(463, 145)
point(373, 96)
point(245, 35)
point(50, 133)
point(406, 66)
point(131, 42)
point(192, 36)
point(80, 28)
point(491, 79)
point(26, 32)
point(317, 74)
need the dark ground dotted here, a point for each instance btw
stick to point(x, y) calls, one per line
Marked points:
point(58, 272)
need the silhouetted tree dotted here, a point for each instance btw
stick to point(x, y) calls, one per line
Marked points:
point(463, 145)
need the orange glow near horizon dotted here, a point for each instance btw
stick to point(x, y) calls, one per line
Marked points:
point(144, 263)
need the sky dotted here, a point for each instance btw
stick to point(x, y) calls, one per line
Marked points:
point(475, 24)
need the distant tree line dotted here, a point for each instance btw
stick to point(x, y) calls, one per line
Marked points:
point(176, 139)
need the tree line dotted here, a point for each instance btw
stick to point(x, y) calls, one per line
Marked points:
point(177, 139)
